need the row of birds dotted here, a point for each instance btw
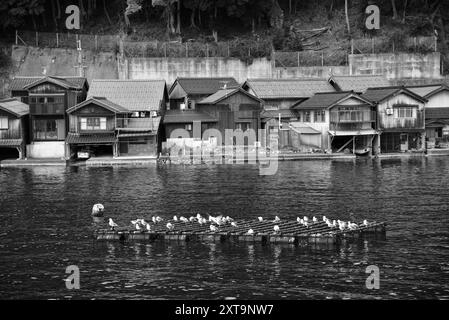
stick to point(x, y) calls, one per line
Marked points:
point(141, 224)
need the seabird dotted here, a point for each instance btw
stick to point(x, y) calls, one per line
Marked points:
point(192, 219)
point(314, 219)
point(324, 218)
point(184, 219)
point(298, 219)
point(305, 219)
point(159, 219)
point(154, 219)
point(365, 223)
point(213, 228)
point(260, 219)
point(148, 227)
point(276, 219)
point(170, 226)
point(233, 224)
point(112, 224)
point(250, 231)
point(276, 228)
point(175, 218)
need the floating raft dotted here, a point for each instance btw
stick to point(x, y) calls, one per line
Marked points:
point(291, 232)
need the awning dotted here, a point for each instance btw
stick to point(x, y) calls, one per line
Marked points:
point(11, 142)
point(90, 138)
point(285, 113)
point(366, 132)
point(305, 130)
point(136, 134)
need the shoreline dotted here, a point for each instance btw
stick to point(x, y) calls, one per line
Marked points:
point(141, 161)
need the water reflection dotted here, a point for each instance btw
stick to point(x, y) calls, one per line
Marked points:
point(46, 218)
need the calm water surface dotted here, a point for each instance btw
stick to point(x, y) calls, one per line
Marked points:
point(45, 226)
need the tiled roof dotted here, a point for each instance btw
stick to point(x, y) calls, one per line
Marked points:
point(437, 113)
point(359, 83)
point(325, 100)
point(134, 95)
point(423, 90)
point(224, 93)
point(90, 138)
point(19, 83)
point(10, 142)
point(100, 101)
point(379, 94)
point(187, 116)
point(14, 107)
point(288, 88)
point(204, 86)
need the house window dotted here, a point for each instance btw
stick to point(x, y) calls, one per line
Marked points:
point(46, 129)
point(242, 126)
point(307, 116)
point(3, 123)
point(189, 127)
point(93, 123)
point(405, 112)
point(320, 116)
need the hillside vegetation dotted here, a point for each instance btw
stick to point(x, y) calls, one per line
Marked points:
point(325, 26)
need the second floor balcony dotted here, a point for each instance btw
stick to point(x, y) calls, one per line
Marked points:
point(138, 124)
point(352, 116)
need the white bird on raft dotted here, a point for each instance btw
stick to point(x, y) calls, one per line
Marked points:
point(260, 219)
point(324, 218)
point(175, 218)
point(170, 226)
point(352, 226)
point(148, 227)
point(213, 228)
point(153, 218)
point(334, 223)
point(233, 224)
point(192, 219)
point(305, 224)
point(97, 210)
point(276, 219)
point(112, 224)
point(159, 219)
point(137, 225)
point(250, 232)
point(314, 219)
point(365, 223)
point(276, 229)
point(298, 219)
point(305, 219)
point(184, 219)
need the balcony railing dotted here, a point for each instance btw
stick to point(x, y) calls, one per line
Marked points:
point(138, 123)
point(47, 108)
point(352, 116)
point(10, 134)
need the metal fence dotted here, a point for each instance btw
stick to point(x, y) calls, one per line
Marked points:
point(246, 49)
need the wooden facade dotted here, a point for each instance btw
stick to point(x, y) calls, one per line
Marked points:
point(13, 127)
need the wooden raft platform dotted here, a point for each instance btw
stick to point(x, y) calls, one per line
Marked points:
point(291, 232)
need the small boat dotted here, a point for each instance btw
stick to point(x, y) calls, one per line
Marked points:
point(362, 152)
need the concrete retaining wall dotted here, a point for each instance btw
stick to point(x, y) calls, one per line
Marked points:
point(50, 149)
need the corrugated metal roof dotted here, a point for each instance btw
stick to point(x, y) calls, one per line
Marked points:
point(303, 128)
point(15, 107)
point(324, 100)
point(10, 142)
point(359, 83)
point(204, 86)
point(285, 113)
point(18, 83)
point(437, 113)
point(224, 93)
point(187, 116)
point(134, 95)
point(98, 138)
point(100, 101)
point(288, 88)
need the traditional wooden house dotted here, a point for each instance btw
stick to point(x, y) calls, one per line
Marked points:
point(436, 114)
point(226, 109)
point(400, 114)
point(13, 128)
point(120, 118)
point(336, 121)
point(186, 92)
point(278, 97)
point(48, 97)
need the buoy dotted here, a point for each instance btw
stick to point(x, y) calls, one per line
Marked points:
point(97, 210)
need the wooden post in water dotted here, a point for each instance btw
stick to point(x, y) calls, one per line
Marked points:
point(57, 40)
point(37, 39)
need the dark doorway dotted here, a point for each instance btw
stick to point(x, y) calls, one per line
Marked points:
point(9, 153)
